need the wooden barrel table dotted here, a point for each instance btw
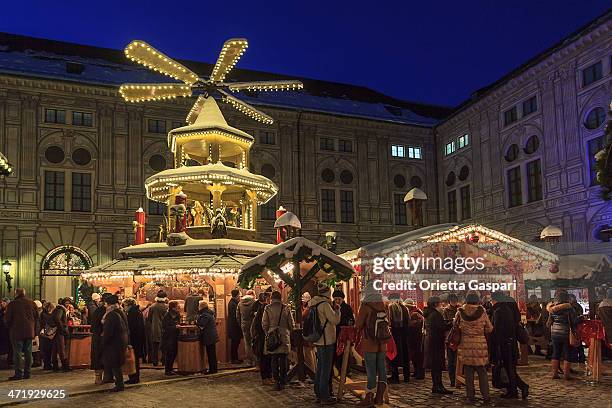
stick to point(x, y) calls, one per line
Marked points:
point(79, 346)
point(190, 357)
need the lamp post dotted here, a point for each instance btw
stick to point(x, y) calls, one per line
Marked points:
point(6, 269)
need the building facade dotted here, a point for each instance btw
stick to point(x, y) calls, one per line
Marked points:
point(516, 157)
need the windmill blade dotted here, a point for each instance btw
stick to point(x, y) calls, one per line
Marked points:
point(195, 110)
point(230, 54)
point(246, 108)
point(266, 86)
point(153, 92)
point(144, 54)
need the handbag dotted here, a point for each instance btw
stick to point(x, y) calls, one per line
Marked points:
point(454, 336)
point(273, 338)
point(574, 341)
point(521, 334)
point(129, 365)
point(48, 332)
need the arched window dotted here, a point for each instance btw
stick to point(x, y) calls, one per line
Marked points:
point(595, 118)
point(532, 145)
point(60, 270)
point(512, 153)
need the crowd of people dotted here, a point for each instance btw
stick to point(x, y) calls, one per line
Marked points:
point(481, 332)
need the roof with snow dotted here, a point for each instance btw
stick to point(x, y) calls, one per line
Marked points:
point(40, 58)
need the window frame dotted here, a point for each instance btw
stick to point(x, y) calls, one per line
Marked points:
point(345, 145)
point(55, 116)
point(400, 213)
point(158, 206)
point(515, 195)
point(347, 206)
point(466, 202)
point(328, 205)
point(398, 150)
point(327, 144)
point(591, 162)
point(592, 70)
point(82, 122)
point(531, 103)
point(59, 190)
point(510, 116)
point(156, 129)
point(77, 201)
point(534, 180)
point(267, 137)
point(451, 204)
point(267, 211)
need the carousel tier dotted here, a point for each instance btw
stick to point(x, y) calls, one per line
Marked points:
point(195, 182)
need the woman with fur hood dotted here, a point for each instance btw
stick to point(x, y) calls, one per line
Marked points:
point(473, 350)
point(561, 320)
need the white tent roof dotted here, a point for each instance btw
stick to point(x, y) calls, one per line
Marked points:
point(580, 266)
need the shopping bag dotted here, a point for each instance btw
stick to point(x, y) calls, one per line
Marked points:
point(129, 365)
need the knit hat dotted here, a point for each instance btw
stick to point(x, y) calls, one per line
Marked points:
point(95, 297)
point(394, 296)
point(323, 289)
point(370, 294)
point(338, 293)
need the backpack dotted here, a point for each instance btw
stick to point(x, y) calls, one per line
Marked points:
point(377, 327)
point(313, 330)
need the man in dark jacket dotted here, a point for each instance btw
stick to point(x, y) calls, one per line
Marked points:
point(504, 347)
point(449, 315)
point(114, 341)
point(136, 328)
point(59, 322)
point(234, 331)
point(399, 317)
point(258, 335)
point(156, 313)
point(96, 338)
point(170, 334)
point(20, 317)
point(435, 339)
point(208, 334)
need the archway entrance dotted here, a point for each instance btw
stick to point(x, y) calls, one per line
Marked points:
point(60, 271)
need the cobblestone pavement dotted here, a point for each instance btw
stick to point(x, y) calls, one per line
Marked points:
point(241, 389)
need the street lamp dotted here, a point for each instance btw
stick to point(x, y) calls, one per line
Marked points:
point(6, 268)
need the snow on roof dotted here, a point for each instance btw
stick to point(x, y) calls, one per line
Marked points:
point(288, 219)
point(195, 246)
point(415, 194)
point(289, 248)
point(106, 71)
point(580, 266)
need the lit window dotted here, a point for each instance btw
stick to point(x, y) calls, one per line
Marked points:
point(450, 148)
point(530, 106)
point(534, 181)
point(594, 146)
point(510, 116)
point(347, 213)
point(398, 151)
point(326, 143)
point(345, 145)
point(414, 153)
point(55, 116)
point(591, 74)
point(157, 126)
point(82, 119)
point(328, 205)
point(515, 193)
point(463, 141)
point(54, 190)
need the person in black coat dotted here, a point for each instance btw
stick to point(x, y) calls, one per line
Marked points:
point(136, 328)
point(114, 341)
point(209, 337)
point(170, 334)
point(434, 342)
point(96, 338)
point(258, 335)
point(504, 346)
point(234, 331)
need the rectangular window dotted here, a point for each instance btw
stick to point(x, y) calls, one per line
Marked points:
point(463, 141)
point(326, 143)
point(398, 151)
point(534, 181)
point(156, 208)
point(157, 126)
point(452, 206)
point(268, 138)
point(594, 146)
point(510, 116)
point(268, 210)
point(347, 213)
point(345, 145)
point(591, 74)
point(450, 148)
point(82, 119)
point(399, 209)
point(466, 203)
point(530, 105)
point(515, 192)
point(54, 190)
point(414, 153)
point(328, 205)
point(81, 192)
point(55, 116)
